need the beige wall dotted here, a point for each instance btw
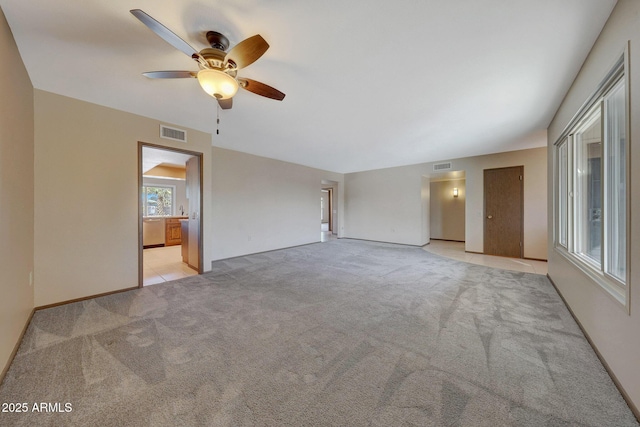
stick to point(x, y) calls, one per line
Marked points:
point(614, 332)
point(16, 194)
point(262, 204)
point(164, 171)
point(447, 212)
point(86, 196)
point(388, 204)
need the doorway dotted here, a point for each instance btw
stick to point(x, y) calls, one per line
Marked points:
point(504, 211)
point(170, 214)
point(328, 210)
point(447, 206)
point(326, 226)
point(326, 207)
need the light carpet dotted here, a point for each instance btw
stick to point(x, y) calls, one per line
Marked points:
point(345, 333)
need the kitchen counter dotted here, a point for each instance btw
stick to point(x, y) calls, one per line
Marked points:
point(166, 217)
point(161, 230)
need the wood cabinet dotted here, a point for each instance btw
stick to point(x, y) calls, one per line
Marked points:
point(185, 240)
point(173, 233)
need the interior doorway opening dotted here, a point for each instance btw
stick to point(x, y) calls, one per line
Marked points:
point(328, 210)
point(447, 206)
point(170, 190)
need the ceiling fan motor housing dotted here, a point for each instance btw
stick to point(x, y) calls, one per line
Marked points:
point(217, 40)
point(214, 57)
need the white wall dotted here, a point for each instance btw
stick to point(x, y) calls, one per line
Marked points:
point(614, 332)
point(86, 196)
point(388, 204)
point(262, 204)
point(16, 194)
point(448, 212)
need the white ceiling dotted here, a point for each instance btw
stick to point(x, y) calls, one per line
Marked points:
point(369, 84)
point(152, 157)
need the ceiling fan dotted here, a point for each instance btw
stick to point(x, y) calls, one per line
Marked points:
point(218, 68)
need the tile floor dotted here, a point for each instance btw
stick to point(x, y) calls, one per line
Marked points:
point(325, 234)
point(163, 264)
point(455, 250)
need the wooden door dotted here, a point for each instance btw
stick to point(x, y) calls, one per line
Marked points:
point(194, 194)
point(504, 211)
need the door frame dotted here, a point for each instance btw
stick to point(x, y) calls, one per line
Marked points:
point(141, 145)
point(330, 203)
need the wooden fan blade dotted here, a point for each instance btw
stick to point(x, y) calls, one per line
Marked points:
point(247, 51)
point(226, 104)
point(261, 89)
point(164, 33)
point(170, 74)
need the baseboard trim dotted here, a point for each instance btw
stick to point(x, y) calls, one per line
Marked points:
point(615, 380)
point(16, 347)
point(57, 304)
point(159, 245)
point(382, 241)
point(530, 259)
point(267, 251)
point(448, 240)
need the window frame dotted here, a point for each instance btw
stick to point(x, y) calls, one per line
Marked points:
point(144, 199)
point(618, 289)
point(580, 162)
point(562, 233)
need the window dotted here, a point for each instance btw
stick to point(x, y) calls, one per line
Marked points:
point(563, 192)
point(616, 190)
point(588, 190)
point(590, 186)
point(157, 200)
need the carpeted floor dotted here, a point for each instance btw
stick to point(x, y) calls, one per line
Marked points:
point(345, 333)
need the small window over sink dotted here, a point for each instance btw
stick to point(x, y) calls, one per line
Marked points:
point(157, 200)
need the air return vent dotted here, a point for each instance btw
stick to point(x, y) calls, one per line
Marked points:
point(442, 166)
point(167, 132)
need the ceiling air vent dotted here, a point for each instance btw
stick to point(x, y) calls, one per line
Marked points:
point(442, 166)
point(172, 133)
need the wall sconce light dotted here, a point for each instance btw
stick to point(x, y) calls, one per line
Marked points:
point(455, 192)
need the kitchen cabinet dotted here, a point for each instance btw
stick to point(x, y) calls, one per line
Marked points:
point(185, 240)
point(173, 233)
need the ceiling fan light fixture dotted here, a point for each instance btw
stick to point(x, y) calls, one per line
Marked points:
point(218, 84)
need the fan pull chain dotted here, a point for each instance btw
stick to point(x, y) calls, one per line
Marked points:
point(218, 120)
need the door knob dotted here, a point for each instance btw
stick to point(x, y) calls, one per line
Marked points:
point(489, 216)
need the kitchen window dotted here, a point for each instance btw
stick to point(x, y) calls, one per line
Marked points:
point(591, 187)
point(157, 200)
